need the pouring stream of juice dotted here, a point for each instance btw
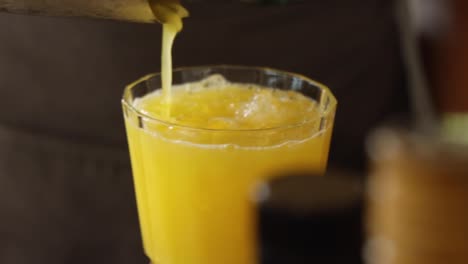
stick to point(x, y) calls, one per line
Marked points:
point(169, 13)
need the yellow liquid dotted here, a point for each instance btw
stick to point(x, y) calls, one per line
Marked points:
point(169, 34)
point(194, 186)
point(170, 14)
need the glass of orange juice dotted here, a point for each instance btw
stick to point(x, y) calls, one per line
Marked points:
point(198, 150)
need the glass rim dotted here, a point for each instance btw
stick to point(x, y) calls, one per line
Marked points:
point(324, 88)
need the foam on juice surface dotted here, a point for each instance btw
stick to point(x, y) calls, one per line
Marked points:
point(215, 103)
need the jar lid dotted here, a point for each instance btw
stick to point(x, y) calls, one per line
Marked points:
point(305, 218)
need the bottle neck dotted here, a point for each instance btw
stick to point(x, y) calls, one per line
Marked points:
point(125, 10)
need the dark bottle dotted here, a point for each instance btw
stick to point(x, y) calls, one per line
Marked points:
point(308, 219)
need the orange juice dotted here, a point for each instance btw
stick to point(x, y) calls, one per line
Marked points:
point(194, 169)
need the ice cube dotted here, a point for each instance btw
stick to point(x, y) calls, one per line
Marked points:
point(261, 110)
point(214, 81)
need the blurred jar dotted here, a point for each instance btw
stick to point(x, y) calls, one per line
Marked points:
point(417, 194)
point(304, 218)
